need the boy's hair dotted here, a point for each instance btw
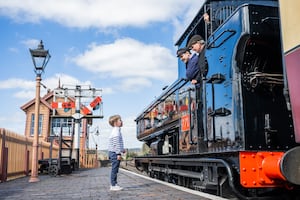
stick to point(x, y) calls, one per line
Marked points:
point(113, 119)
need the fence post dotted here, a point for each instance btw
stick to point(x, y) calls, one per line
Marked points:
point(27, 163)
point(3, 158)
point(4, 167)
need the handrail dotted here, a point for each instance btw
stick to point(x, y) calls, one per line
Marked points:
point(211, 44)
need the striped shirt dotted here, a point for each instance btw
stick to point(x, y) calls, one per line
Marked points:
point(115, 143)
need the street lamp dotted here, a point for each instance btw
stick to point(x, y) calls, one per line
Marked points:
point(97, 134)
point(40, 58)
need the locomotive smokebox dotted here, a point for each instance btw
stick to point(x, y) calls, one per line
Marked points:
point(290, 165)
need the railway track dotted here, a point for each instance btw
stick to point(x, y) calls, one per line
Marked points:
point(130, 166)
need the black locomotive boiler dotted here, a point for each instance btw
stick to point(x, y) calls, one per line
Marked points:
point(237, 138)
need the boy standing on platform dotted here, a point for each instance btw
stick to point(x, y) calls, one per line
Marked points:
point(115, 149)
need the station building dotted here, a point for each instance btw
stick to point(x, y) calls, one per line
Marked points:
point(56, 119)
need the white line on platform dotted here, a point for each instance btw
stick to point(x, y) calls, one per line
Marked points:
point(195, 192)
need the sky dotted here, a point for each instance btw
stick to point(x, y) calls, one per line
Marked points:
point(126, 48)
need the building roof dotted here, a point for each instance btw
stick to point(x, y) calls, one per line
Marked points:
point(43, 100)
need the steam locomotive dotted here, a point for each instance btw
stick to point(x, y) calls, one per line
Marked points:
point(241, 136)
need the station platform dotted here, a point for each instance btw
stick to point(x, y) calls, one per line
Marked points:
point(95, 184)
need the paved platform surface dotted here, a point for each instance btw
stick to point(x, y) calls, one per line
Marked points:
point(92, 184)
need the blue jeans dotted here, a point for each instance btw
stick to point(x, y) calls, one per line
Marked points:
point(115, 164)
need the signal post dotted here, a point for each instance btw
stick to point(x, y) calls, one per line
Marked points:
point(87, 101)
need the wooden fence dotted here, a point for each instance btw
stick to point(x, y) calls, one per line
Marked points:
point(16, 154)
point(90, 159)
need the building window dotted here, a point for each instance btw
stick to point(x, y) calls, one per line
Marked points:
point(41, 116)
point(66, 125)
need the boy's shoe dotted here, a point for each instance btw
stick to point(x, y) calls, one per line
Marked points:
point(115, 188)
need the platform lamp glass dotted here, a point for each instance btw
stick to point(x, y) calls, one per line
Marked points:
point(40, 58)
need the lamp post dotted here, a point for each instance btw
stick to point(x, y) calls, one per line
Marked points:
point(96, 162)
point(40, 58)
point(96, 132)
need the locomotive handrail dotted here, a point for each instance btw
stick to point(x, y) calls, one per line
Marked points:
point(211, 44)
point(160, 130)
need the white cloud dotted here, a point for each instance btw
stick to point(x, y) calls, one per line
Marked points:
point(26, 89)
point(16, 83)
point(107, 90)
point(128, 58)
point(65, 80)
point(24, 94)
point(135, 84)
point(94, 13)
point(12, 49)
point(31, 43)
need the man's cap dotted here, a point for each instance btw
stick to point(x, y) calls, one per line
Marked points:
point(193, 40)
point(182, 51)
